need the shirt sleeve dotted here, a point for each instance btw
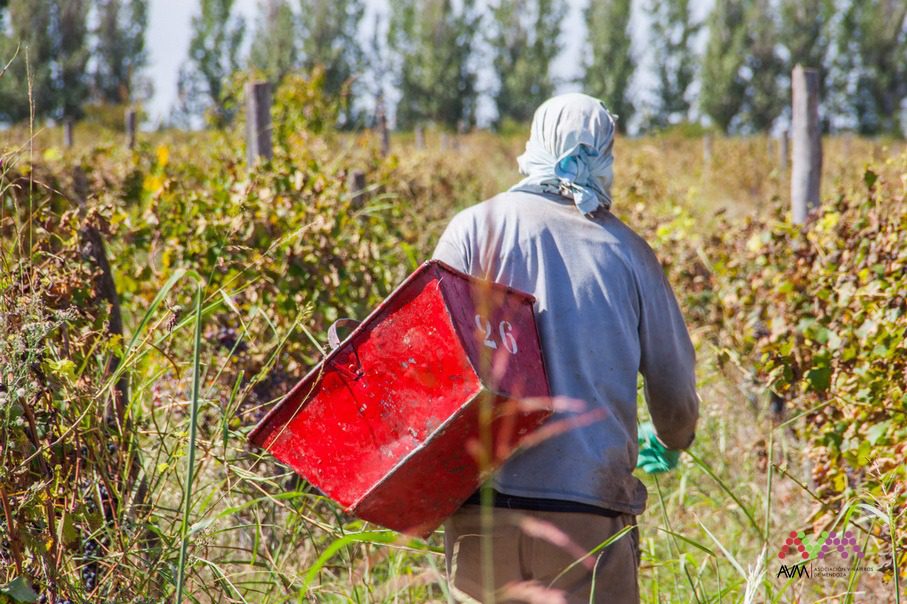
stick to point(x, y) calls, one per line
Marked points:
point(667, 360)
point(454, 247)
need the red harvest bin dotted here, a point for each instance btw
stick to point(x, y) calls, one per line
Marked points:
point(387, 425)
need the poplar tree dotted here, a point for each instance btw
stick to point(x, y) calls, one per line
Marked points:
point(524, 39)
point(329, 33)
point(119, 50)
point(379, 69)
point(872, 64)
point(432, 42)
point(275, 50)
point(804, 31)
point(723, 86)
point(673, 34)
point(29, 25)
point(214, 55)
point(765, 98)
point(610, 65)
point(52, 35)
point(69, 35)
point(805, 34)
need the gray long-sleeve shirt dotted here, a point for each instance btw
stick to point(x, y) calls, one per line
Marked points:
point(605, 313)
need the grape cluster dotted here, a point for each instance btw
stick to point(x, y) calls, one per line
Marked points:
point(275, 384)
point(43, 599)
point(91, 549)
point(226, 337)
point(108, 501)
point(87, 495)
point(89, 499)
point(90, 576)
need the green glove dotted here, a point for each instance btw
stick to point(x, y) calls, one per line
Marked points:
point(654, 457)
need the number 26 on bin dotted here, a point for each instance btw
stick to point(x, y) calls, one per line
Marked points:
point(504, 331)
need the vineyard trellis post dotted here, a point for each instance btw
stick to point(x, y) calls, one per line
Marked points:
point(420, 137)
point(258, 121)
point(783, 150)
point(462, 130)
point(356, 185)
point(806, 168)
point(381, 122)
point(68, 136)
point(130, 123)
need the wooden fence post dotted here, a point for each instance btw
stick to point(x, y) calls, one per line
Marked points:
point(806, 169)
point(130, 123)
point(462, 130)
point(382, 130)
point(420, 137)
point(258, 121)
point(783, 150)
point(356, 185)
point(68, 133)
point(707, 150)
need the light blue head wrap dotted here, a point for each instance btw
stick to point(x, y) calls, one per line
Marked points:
point(569, 151)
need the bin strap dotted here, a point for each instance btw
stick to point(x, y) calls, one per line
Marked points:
point(333, 338)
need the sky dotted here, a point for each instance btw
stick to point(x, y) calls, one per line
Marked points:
point(169, 33)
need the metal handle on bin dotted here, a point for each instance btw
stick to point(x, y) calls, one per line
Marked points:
point(353, 371)
point(333, 338)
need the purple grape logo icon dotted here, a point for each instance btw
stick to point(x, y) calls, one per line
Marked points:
point(844, 544)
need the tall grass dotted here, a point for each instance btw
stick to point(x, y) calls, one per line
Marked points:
point(193, 430)
point(717, 502)
point(220, 522)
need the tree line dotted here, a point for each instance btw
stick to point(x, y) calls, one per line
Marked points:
point(431, 52)
point(65, 59)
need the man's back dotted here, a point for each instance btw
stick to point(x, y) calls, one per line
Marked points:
point(605, 312)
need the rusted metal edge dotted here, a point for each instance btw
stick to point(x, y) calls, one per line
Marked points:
point(260, 432)
point(493, 284)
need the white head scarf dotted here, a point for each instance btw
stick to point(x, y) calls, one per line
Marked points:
point(569, 151)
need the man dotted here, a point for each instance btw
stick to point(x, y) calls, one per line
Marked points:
point(605, 313)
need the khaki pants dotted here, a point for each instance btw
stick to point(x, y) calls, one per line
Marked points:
point(532, 554)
